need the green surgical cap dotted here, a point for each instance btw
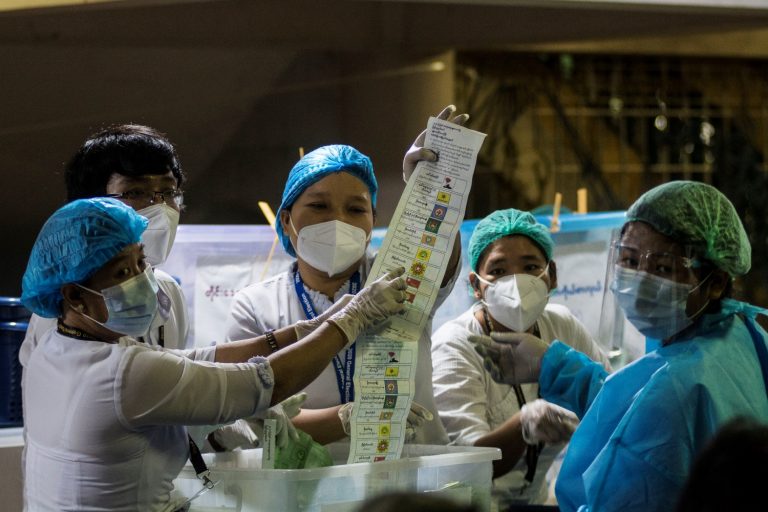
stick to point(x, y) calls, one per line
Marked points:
point(503, 223)
point(698, 215)
point(76, 241)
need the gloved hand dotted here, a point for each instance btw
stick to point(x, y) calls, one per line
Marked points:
point(544, 422)
point(345, 416)
point(417, 415)
point(416, 418)
point(510, 357)
point(282, 412)
point(417, 152)
point(235, 435)
point(292, 404)
point(305, 327)
point(372, 305)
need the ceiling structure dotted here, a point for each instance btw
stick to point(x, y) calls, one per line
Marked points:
point(342, 25)
point(203, 71)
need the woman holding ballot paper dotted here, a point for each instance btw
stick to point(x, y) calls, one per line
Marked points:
point(106, 416)
point(325, 221)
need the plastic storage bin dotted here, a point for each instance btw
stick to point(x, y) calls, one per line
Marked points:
point(11, 336)
point(460, 473)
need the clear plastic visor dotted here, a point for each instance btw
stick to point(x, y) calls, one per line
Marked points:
point(645, 299)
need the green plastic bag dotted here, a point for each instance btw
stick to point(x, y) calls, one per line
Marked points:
point(302, 454)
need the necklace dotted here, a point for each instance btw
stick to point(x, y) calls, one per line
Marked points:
point(72, 332)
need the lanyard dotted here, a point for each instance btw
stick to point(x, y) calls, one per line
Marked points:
point(531, 451)
point(344, 369)
point(202, 472)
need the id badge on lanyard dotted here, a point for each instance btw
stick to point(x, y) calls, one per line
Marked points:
point(345, 369)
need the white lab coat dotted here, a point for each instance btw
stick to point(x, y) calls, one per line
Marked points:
point(472, 404)
point(174, 329)
point(104, 421)
point(273, 304)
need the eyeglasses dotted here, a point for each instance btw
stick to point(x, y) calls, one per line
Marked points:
point(658, 263)
point(149, 197)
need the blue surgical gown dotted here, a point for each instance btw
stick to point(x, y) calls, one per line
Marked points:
point(643, 426)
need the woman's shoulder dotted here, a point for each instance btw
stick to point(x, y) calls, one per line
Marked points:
point(558, 312)
point(703, 360)
point(457, 331)
point(558, 322)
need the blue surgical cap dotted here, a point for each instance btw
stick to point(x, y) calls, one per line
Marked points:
point(698, 215)
point(76, 241)
point(503, 223)
point(315, 166)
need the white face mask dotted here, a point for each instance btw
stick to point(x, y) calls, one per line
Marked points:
point(131, 305)
point(160, 233)
point(516, 301)
point(332, 246)
point(654, 305)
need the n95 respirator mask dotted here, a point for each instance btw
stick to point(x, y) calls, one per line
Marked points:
point(516, 301)
point(331, 247)
point(160, 233)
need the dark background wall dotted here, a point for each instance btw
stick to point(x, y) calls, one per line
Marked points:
point(240, 85)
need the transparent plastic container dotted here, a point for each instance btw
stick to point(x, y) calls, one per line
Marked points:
point(460, 473)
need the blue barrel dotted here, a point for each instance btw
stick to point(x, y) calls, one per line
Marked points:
point(12, 310)
point(11, 336)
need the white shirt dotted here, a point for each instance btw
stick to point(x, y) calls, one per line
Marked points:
point(472, 404)
point(104, 421)
point(273, 304)
point(174, 329)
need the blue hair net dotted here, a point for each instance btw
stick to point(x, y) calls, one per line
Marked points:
point(698, 215)
point(315, 166)
point(76, 241)
point(508, 222)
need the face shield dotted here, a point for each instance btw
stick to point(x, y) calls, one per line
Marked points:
point(646, 299)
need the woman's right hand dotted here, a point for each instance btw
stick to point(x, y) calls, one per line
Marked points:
point(373, 305)
point(511, 357)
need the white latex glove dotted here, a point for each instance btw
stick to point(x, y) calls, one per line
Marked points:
point(235, 435)
point(282, 412)
point(306, 327)
point(511, 357)
point(544, 422)
point(373, 305)
point(345, 416)
point(247, 433)
point(292, 405)
point(417, 415)
point(416, 418)
point(418, 152)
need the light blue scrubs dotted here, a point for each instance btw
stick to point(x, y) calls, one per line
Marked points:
point(643, 426)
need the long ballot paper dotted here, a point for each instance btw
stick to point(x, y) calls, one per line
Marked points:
point(420, 238)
